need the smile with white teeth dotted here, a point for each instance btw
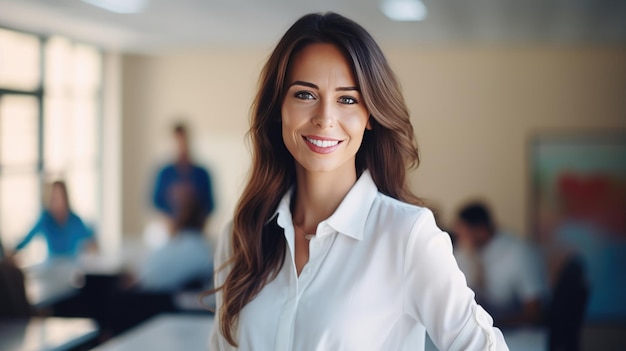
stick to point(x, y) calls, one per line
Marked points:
point(322, 143)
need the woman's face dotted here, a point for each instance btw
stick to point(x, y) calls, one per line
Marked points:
point(58, 202)
point(323, 114)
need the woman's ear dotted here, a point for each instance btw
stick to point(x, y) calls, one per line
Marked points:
point(368, 126)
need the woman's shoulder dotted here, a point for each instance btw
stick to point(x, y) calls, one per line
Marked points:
point(223, 249)
point(401, 216)
point(44, 215)
point(74, 217)
point(418, 218)
point(394, 207)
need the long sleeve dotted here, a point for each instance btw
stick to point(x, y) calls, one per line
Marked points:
point(31, 234)
point(222, 253)
point(206, 191)
point(83, 231)
point(215, 339)
point(436, 293)
point(159, 196)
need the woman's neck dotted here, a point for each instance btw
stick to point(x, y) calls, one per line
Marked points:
point(60, 216)
point(318, 195)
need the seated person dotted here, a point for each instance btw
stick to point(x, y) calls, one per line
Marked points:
point(2, 253)
point(65, 233)
point(13, 299)
point(186, 257)
point(502, 270)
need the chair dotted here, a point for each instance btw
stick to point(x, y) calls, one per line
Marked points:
point(13, 299)
point(567, 312)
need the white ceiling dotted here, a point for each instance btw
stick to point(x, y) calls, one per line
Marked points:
point(176, 24)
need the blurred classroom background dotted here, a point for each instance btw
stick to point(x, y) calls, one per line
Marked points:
point(521, 104)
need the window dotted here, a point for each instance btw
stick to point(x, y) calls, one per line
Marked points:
point(49, 115)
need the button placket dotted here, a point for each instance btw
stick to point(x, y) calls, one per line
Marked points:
point(315, 245)
point(285, 328)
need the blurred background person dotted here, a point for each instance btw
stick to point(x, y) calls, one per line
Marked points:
point(13, 299)
point(65, 233)
point(2, 253)
point(183, 263)
point(180, 179)
point(186, 258)
point(502, 269)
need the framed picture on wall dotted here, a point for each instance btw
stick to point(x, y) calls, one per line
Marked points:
point(578, 207)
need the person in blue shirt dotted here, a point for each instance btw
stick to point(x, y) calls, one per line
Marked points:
point(187, 257)
point(182, 179)
point(65, 233)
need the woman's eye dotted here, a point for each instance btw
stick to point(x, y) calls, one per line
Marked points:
point(348, 100)
point(304, 95)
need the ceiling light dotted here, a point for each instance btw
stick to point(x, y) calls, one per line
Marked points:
point(120, 6)
point(404, 10)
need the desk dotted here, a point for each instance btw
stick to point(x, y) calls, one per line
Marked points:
point(59, 279)
point(50, 283)
point(516, 340)
point(50, 334)
point(165, 332)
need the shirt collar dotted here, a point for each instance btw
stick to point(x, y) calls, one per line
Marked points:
point(283, 211)
point(349, 218)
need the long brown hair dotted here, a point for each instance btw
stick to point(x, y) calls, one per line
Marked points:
point(387, 151)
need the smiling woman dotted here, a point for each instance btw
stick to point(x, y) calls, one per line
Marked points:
point(323, 118)
point(329, 249)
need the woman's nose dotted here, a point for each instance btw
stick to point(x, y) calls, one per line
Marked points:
point(324, 115)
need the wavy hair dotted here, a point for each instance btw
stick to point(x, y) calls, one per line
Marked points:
point(387, 150)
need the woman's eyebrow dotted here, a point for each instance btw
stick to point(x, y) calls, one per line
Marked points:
point(347, 89)
point(311, 85)
point(306, 84)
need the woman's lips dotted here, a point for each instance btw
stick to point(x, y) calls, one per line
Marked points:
point(321, 145)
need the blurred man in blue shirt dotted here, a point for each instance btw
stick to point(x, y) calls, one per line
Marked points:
point(182, 179)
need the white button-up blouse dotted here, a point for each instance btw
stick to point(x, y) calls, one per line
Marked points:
point(380, 273)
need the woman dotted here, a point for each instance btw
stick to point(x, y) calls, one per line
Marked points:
point(65, 232)
point(328, 249)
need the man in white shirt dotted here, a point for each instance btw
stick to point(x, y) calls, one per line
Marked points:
point(504, 271)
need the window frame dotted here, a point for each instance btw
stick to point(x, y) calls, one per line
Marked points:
point(39, 93)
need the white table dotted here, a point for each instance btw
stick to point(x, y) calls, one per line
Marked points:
point(49, 334)
point(517, 340)
point(165, 332)
point(59, 279)
point(51, 282)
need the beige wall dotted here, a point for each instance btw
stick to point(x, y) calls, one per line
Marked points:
point(473, 109)
point(212, 92)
